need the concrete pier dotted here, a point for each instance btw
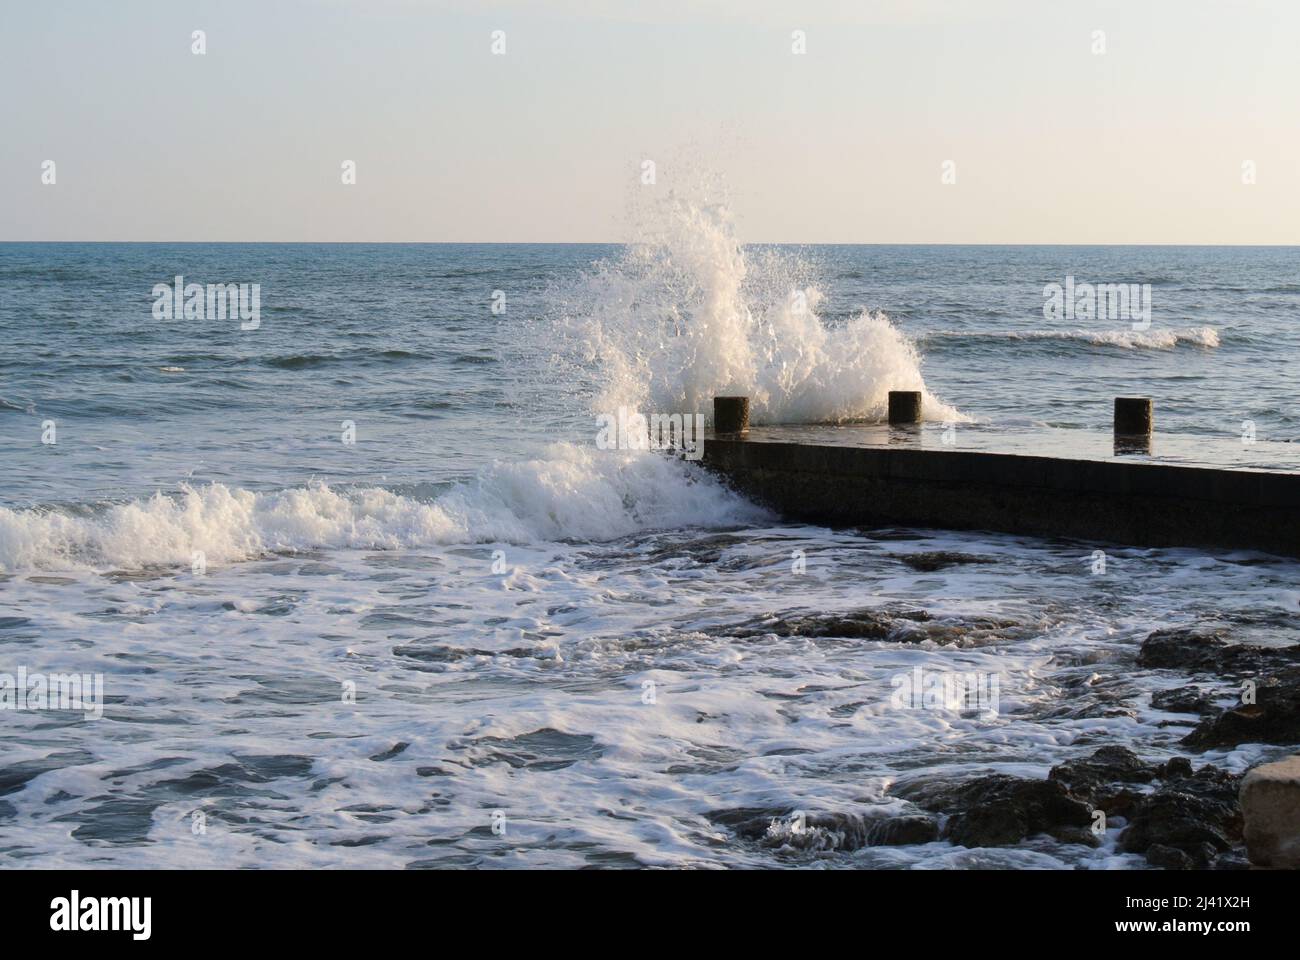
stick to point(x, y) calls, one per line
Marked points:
point(875, 475)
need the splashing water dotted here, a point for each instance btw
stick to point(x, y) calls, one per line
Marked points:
point(573, 493)
point(687, 313)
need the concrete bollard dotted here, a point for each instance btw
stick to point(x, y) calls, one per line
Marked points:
point(904, 406)
point(1133, 416)
point(1270, 807)
point(731, 414)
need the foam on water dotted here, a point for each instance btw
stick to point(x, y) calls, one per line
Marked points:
point(1152, 339)
point(575, 493)
point(525, 692)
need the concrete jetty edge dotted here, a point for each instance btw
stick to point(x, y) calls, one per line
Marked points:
point(1137, 503)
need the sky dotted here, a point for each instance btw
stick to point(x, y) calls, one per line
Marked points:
point(1182, 125)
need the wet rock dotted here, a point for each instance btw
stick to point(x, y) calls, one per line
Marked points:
point(999, 810)
point(972, 632)
point(1177, 818)
point(1187, 649)
point(440, 653)
point(902, 831)
point(1198, 815)
point(998, 825)
point(1169, 858)
point(858, 624)
point(1177, 767)
point(749, 823)
point(1115, 764)
point(1211, 651)
point(1101, 779)
point(1183, 700)
point(1232, 860)
point(932, 560)
point(905, 626)
point(1274, 717)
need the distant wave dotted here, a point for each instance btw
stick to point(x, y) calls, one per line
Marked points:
point(303, 361)
point(1153, 339)
point(576, 493)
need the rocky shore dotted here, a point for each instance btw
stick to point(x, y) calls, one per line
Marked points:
point(1177, 814)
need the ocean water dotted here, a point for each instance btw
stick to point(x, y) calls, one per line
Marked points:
point(364, 592)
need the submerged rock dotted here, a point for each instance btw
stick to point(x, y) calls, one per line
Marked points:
point(932, 560)
point(1093, 695)
point(825, 831)
point(896, 626)
point(856, 624)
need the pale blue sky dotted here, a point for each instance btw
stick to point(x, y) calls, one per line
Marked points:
point(1051, 142)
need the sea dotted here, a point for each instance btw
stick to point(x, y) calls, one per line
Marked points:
point(361, 588)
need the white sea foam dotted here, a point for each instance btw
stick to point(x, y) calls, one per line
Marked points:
point(574, 493)
point(1153, 339)
point(527, 693)
point(687, 313)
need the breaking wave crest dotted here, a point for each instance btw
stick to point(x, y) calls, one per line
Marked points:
point(575, 494)
point(1152, 339)
point(687, 313)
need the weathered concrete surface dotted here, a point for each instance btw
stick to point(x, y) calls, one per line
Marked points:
point(1270, 804)
point(1140, 503)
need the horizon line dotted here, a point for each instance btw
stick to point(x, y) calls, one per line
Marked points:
point(624, 243)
